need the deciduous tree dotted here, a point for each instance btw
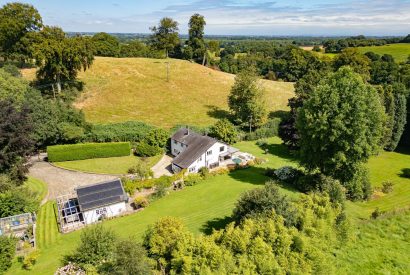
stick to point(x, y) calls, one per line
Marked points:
point(165, 36)
point(16, 21)
point(196, 44)
point(340, 125)
point(60, 58)
point(246, 100)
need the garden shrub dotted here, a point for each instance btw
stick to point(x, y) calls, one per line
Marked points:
point(133, 131)
point(141, 202)
point(192, 179)
point(376, 213)
point(141, 170)
point(287, 174)
point(359, 187)
point(259, 161)
point(88, 151)
point(7, 252)
point(204, 172)
point(143, 149)
point(30, 260)
point(387, 187)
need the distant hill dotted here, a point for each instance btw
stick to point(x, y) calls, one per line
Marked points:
point(121, 89)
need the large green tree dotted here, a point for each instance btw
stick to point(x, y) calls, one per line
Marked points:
point(15, 140)
point(16, 21)
point(105, 44)
point(340, 125)
point(60, 58)
point(165, 36)
point(246, 100)
point(196, 47)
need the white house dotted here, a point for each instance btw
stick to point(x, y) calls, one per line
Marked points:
point(102, 200)
point(193, 151)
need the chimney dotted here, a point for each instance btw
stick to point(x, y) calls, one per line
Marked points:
point(187, 131)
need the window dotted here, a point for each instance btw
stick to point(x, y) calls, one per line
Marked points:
point(175, 142)
point(192, 169)
point(209, 153)
point(200, 159)
point(222, 148)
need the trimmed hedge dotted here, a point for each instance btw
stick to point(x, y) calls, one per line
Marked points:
point(88, 151)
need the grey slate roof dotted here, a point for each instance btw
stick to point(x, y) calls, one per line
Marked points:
point(197, 145)
point(100, 194)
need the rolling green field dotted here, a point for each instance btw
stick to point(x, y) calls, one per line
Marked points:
point(208, 204)
point(116, 165)
point(400, 52)
point(123, 89)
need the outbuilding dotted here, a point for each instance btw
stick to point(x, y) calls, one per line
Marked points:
point(102, 200)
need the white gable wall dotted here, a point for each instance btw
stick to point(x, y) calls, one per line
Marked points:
point(92, 216)
point(208, 159)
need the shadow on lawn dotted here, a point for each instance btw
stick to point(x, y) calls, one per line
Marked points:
point(279, 150)
point(218, 113)
point(215, 224)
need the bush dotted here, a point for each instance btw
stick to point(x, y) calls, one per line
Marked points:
point(143, 149)
point(204, 172)
point(359, 188)
point(259, 161)
point(7, 251)
point(30, 260)
point(141, 202)
point(376, 213)
point(192, 179)
point(287, 174)
point(132, 131)
point(87, 151)
point(141, 170)
point(387, 187)
point(262, 201)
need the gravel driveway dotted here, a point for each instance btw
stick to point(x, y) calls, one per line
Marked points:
point(61, 181)
point(163, 167)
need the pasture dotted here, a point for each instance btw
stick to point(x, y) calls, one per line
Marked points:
point(400, 51)
point(123, 89)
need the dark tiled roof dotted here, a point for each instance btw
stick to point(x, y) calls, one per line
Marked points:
point(100, 194)
point(197, 145)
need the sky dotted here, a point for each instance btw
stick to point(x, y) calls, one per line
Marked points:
point(232, 17)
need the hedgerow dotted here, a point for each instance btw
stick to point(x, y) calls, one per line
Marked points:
point(88, 151)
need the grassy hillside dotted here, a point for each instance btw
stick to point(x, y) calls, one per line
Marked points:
point(121, 89)
point(400, 52)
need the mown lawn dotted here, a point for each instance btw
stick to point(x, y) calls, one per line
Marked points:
point(123, 89)
point(400, 52)
point(116, 165)
point(38, 187)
